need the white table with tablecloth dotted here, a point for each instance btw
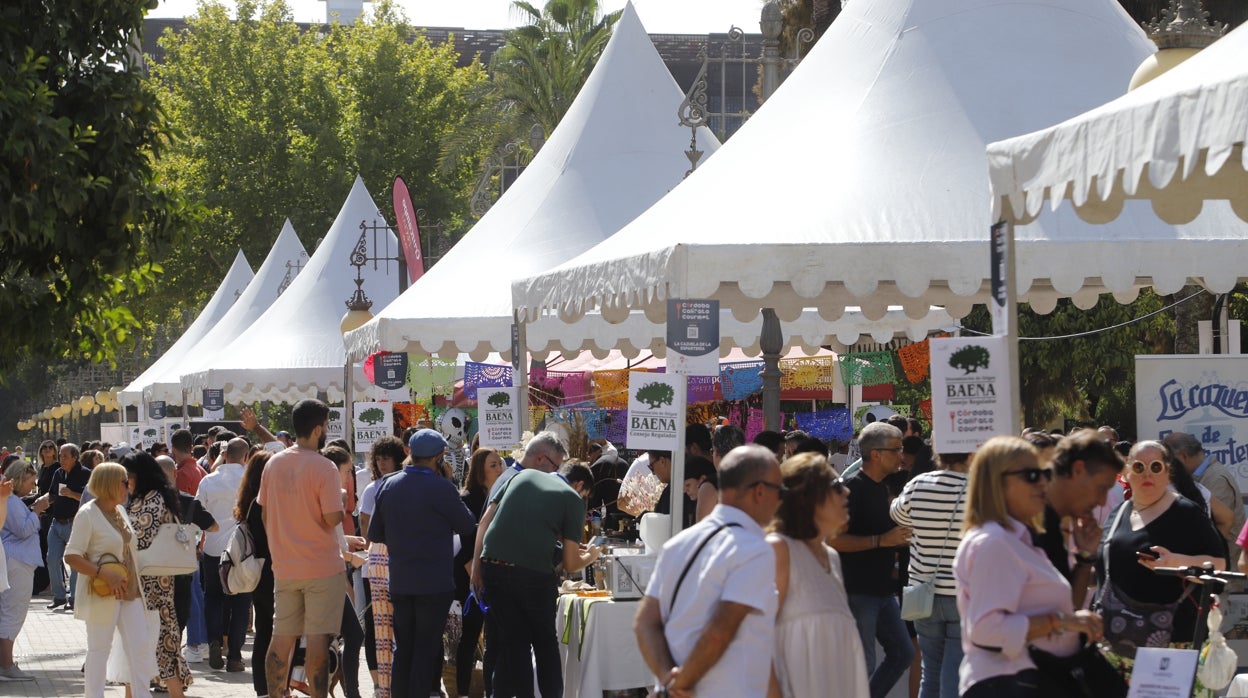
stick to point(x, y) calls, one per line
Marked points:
point(598, 648)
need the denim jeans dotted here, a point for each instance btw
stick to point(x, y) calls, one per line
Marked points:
point(58, 538)
point(940, 643)
point(522, 603)
point(879, 618)
point(223, 614)
point(196, 631)
point(418, 623)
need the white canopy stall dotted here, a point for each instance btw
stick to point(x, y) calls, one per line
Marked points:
point(236, 281)
point(616, 151)
point(861, 181)
point(295, 348)
point(283, 263)
point(258, 295)
point(1177, 141)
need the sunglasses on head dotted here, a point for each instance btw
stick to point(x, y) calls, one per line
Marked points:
point(1156, 466)
point(1033, 475)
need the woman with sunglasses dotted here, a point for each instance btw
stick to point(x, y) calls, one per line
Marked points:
point(818, 651)
point(1009, 595)
point(1156, 527)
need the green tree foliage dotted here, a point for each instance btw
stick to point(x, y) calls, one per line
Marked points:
point(83, 209)
point(969, 359)
point(499, 400)
point(279, 120)
point(1090, 378)
point(535, 76)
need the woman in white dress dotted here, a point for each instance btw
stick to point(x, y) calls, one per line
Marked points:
point(818, 650)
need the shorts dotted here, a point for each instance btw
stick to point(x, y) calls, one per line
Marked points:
point(308, 606)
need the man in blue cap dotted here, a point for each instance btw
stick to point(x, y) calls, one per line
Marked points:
point(421, 510)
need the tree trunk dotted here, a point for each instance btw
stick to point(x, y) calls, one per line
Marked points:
point(1186, 315)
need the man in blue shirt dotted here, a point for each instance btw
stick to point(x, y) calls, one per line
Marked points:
point(421, 510)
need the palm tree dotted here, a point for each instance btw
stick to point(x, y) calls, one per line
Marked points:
point(533, 78)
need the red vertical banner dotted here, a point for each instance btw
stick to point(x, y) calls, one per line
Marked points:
point(409, 231)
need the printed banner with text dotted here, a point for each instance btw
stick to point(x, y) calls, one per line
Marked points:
point(971, 392)
point(498, 412)
point(652, 416)
point(372, 421)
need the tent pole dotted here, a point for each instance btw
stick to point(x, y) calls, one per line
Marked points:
point(771, 341)
point(520, 371)
point(1005, 316)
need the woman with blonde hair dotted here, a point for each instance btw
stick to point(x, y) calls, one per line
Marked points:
point(818, 650)
point(1010, 597)
point(102, 534)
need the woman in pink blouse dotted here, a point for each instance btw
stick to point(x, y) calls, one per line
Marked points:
point(1010, 596)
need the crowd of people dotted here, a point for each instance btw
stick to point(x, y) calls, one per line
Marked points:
point(800, 573)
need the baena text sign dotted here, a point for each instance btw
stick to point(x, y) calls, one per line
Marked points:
point(1203, 395)
point(971, 392)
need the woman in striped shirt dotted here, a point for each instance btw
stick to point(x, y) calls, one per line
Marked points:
point(934, 505)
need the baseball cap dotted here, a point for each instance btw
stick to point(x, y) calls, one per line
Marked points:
point(426, 443)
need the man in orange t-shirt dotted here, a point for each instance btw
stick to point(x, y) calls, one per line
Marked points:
point(301, 497)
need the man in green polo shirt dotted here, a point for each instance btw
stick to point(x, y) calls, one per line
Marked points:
point(517, 576)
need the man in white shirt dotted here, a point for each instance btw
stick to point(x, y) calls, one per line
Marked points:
point(706, 625)
point(224, 614)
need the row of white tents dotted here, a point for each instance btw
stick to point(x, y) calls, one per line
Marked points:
point(861, 183)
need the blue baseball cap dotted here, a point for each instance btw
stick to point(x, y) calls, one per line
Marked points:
point(426, 443)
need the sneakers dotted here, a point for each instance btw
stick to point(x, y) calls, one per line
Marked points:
point(215, 660)
point(235, 665)
point(13, 673)
point(193, 654)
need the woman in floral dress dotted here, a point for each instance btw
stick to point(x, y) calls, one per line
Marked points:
point(153, 502)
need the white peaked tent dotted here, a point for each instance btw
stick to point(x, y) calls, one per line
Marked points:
point(230, 290)
point(862, 180)
point(616, 151)
point(280, 268)
point(1177, 141)
point(295, 348)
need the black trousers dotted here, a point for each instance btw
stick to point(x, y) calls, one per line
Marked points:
point(418, 623)
point(262, 602)
point(224, 614)
point(466, 652)
point(523, 602)
point(352, 640)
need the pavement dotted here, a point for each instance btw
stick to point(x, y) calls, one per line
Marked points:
point(52, 646)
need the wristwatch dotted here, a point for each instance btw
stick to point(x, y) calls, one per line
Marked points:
point(1084, 557)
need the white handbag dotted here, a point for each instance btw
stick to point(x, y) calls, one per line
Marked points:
point(917, 598)
point(172, 551)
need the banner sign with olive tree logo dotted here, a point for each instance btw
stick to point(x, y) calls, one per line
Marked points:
point(373, 420)
point(498, 416)
point(653, 420)
point(971, 393)
point(336, 429)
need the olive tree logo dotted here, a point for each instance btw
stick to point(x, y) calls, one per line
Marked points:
point(499, 400)
point(655, 395)
point(372, 415)
point(969, 359)
point(149, 433)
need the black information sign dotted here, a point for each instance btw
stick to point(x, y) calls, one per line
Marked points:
point(693, 326)
point(156, 410)
point(390, 371)
point(214, 399)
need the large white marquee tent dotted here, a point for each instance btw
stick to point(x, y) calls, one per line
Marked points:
point(235, 283)
point(862, 180)
point(618, 149)
point(295, 348)
point(280, 268)
point(1177, 141)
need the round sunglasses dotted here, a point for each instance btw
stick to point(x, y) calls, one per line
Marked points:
point(1157, 467)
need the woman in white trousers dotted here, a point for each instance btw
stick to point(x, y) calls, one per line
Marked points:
point(102, 533)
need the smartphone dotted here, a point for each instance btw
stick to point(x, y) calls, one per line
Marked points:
point(599, 541)
point(1149, 554)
